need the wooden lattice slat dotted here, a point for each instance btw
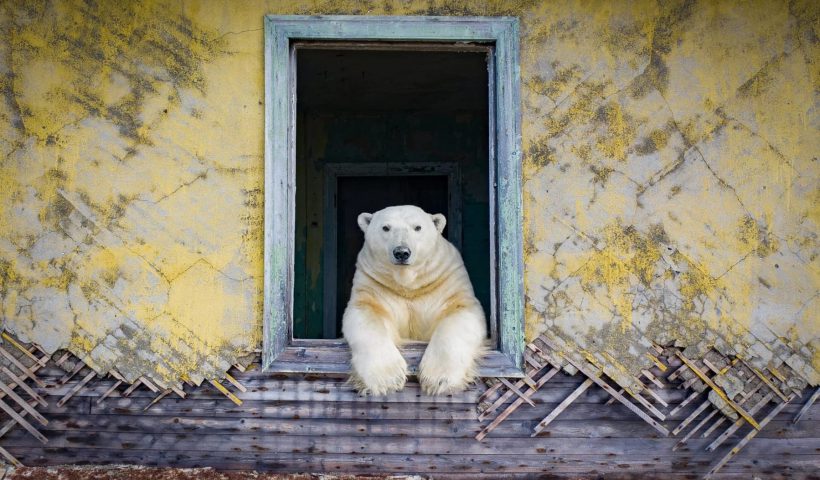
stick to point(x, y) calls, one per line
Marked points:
point(805, 408)
point(562, 406)
point(749, 436)
point(488, 410)
point(18, 382)
point(109, 391)
point(698, 375)
point(7, 391)
point(156, 399)
point(41, 361)
point(514, 405)
point(18, 409)
point(27, 371)
point(76, 388)
point(226, 392)
point(739, 423)
point(768, 382)
point(22, 403)
point(695, 429)
point(596, 378)
point(708, 381)
point(692, 416)
point(515, 390)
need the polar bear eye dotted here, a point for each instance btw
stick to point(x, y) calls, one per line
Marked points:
point(418, 228)
point(386, 228)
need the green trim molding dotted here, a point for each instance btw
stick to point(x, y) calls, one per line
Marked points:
point(280, 351)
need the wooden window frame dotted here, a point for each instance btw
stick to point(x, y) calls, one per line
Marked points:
point(281, 352)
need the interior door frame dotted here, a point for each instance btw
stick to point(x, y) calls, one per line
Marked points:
point(332, 172)
point(280, 351)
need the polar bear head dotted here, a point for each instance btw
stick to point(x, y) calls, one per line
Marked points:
point(401, 235)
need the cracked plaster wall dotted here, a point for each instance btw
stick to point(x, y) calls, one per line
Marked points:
point(670, 178)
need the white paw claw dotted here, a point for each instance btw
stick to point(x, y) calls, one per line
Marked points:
point(443, 385)
point(437, 380)
point(380, 377)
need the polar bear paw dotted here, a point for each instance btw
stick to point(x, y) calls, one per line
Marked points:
point(438, 379)
point(380, 376)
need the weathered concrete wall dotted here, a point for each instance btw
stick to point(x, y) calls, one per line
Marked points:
point(671, 179)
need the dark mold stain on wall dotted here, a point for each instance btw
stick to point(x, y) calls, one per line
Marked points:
point(144, 43)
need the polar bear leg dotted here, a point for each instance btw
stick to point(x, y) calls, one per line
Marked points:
point(449, 364)
point(376, 363)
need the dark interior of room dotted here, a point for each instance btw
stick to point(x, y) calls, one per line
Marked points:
point(384, 121)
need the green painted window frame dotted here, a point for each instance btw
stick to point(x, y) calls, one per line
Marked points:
point(281, 352)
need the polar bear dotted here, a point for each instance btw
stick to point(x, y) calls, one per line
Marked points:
point(411, 284)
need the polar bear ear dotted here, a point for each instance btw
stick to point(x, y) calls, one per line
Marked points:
point(439, 221)
point(364, 220)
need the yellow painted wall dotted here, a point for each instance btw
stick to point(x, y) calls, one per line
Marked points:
point(670, 177)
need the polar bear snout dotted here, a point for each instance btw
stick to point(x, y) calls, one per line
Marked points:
point(400, 237)
point(401, 255)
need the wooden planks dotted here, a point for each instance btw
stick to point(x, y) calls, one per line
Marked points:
point(566, 426)
point(749, 436)
point(289, 425)
point(295, 423)
point(391, 444)
point(652, 466)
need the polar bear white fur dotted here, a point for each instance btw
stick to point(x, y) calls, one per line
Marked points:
point(411, 284)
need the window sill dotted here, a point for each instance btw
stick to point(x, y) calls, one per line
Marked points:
point(333, 356)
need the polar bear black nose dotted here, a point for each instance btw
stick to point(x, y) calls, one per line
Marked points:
point(401, 253)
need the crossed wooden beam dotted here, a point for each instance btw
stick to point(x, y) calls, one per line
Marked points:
point(12, 381)
point(20, 363)
point(760, 390)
